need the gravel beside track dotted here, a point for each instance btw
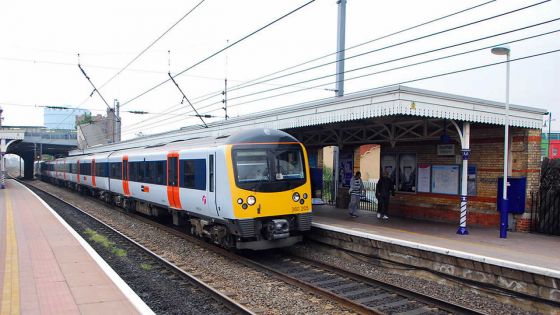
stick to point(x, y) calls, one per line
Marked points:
point(411, 278)
point(261, 293)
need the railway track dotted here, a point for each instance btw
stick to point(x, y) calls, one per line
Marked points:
point(360, 294)
point(165, 287)
point(369, 295)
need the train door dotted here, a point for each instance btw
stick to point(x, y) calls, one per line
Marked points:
point(93, 173)
point(211, 197)
point(173, 180)
point(126, 187)
point(78, 172)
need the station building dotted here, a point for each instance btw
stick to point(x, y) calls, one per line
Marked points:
point(420, 135)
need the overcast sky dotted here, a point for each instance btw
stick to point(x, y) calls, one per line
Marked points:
point(41, 40)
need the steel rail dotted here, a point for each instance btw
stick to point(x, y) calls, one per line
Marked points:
point(227, 301)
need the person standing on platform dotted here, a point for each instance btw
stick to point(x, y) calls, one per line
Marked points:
point(383, 192)
point(356, 189)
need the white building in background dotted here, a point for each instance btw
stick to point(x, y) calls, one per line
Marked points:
point(61, 118)
point(97, 130)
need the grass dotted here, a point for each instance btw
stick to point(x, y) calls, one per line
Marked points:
point(145, 266)
point(105, 242)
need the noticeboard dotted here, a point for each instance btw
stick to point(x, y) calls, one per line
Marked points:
point(445, 179)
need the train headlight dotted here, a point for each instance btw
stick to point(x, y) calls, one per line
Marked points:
point(295, 197)
point(239, 200)
point(305, 196)
point(251, 200)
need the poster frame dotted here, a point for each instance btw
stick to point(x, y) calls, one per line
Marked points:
point(457, 190)
point(401, 169)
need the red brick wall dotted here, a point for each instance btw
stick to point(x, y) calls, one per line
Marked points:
point(487, 154)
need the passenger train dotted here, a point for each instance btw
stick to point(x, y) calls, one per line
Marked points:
point(249, 190)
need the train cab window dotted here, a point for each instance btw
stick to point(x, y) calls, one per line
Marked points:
point(252, 165)
point(270, 168)
point(193, 174)
point(289, 165)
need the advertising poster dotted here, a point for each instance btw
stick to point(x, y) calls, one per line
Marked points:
point(407, 173)
point(345, 167)
point(424, 174)
point(389, 165)
point(445, 179)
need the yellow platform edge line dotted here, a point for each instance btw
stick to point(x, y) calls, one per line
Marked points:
point(10, 288)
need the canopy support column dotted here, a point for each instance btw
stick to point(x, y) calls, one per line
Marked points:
point(464, 134)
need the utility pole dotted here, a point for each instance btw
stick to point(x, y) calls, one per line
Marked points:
point(2, 148)
point(225, 98)
point(117, 121)
point(340, 47)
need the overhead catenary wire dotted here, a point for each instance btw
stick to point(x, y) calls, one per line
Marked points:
point(151, 44)
point(415, 80)
point(236, 87)
point(163, 137)
point(403, 58)
point(395, 45)
point(220, 51)
point(424, 78)
point(413, 55)
point(354, 46)
point(453, 72)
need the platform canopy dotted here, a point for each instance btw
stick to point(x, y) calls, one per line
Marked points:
point(384, 102)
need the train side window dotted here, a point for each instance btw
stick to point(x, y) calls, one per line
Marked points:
point(149, 172)
point(211, 169)
point(193, 174)
point(160, 172)
point(116, 170)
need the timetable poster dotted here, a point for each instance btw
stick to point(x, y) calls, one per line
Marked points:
point(424, 172)
point(445, 179)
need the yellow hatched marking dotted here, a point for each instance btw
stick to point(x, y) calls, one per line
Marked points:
point(10, 292)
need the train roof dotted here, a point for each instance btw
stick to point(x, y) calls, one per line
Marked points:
point(252, 136)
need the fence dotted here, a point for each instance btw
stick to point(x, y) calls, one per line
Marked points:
point(545, 203)
point(368, 201)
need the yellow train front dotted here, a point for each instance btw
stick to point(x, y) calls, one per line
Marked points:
point(268, 188)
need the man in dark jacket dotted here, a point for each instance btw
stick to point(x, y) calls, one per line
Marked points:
point(383, 191)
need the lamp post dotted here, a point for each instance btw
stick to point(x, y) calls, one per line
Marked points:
point(503, 50)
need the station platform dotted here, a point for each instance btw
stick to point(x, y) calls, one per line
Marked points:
point(47, 268)
point(523, 262)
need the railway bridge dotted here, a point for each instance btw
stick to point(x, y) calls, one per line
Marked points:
point(29, 142)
